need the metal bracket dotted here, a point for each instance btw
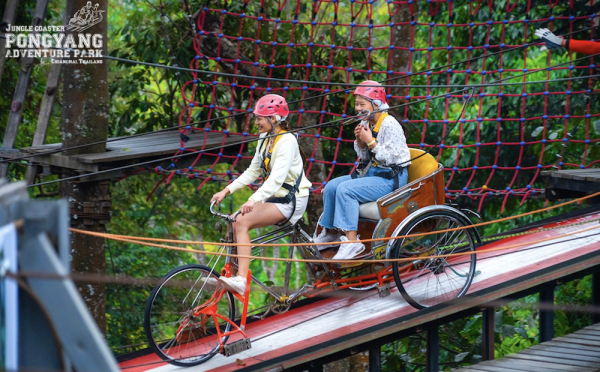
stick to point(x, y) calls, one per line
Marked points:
point(236, 347)
point(384, 290)
point(412, 206)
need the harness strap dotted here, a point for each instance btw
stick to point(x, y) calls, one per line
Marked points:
point(393, 173)
point(266, 167)
point(266, 154)
point(290, 197)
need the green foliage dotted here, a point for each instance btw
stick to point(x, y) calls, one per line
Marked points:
point(575, 297)
point(147, 98)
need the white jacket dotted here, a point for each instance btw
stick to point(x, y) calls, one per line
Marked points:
point(286, 166)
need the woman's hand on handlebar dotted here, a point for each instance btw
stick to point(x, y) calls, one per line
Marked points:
point(218, 197)
point(247, 207)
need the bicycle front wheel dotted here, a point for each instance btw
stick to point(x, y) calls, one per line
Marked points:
point(426, 281)
point(174, 332)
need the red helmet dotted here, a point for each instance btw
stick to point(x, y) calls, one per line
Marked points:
point(371, 92)
point(271, 105)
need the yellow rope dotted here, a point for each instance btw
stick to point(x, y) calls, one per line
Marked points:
point(134, 241)
point(383, 239)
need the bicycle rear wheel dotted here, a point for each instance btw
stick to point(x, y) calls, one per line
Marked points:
point(426, 282)
point(174, 333)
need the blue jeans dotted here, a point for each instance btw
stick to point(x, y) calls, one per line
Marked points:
point(342, 196)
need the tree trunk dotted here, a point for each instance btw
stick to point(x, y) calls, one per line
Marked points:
point(400, 63)
point(401, 57)
point(85, 120)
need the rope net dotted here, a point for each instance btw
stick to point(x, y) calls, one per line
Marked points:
point(508, 134)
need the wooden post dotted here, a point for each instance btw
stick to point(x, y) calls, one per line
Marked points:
point(16, 112)
point(315, 366)
point(546, 314)
point(375, 359)
point(85, 120)
point(487, 333)
point(433, 348)
point(45, 112)
point(596, 297)
point(10, 12)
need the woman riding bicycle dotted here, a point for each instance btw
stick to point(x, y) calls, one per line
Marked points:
point(384, 155)
point(283, 195)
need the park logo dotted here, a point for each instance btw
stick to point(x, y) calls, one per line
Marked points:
point(59, 44)
point(85, 18)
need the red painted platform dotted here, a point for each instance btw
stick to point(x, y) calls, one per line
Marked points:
point(349, 318)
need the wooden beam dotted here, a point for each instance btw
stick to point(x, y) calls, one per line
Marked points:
point(161, 144)
point(45, 113)
point(16, 113)
point(10, 12)
point(61, 161)
point(592, 174)
point(9, 153)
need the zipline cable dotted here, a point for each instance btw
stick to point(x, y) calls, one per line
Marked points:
point(296, 101)
point(344, 121)
point(110, 140)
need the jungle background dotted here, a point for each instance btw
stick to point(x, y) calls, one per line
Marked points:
point(145, 99)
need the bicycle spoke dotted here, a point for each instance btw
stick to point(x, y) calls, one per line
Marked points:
point(434, 280)
point(189, 340)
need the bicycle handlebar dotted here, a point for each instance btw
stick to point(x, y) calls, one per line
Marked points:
point(223, 215)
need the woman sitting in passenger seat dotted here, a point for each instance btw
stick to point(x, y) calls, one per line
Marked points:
point(381, 147)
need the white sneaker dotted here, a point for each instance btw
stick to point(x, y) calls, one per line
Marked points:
point(234, 284)
point(348, 250)
point(209, 283)
point(324, 237)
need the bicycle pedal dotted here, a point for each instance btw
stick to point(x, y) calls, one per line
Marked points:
point(384, 290)
point(237, 347)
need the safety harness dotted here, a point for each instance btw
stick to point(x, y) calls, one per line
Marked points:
point(265, 165)
point(365, 164)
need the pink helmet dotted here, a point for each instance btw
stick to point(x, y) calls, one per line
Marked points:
point(271, 105)
point(371, 92)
